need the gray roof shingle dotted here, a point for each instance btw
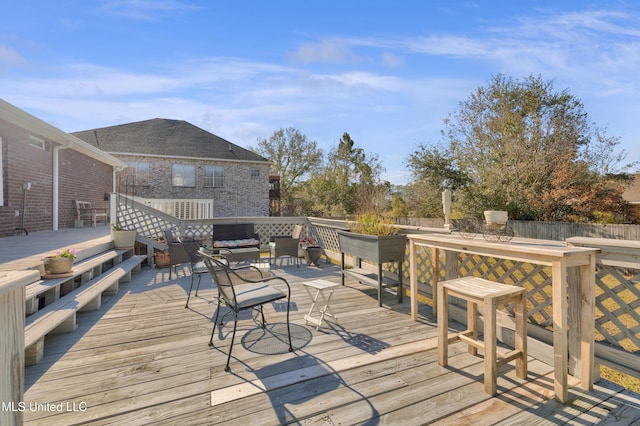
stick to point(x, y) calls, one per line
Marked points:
point(165, 137)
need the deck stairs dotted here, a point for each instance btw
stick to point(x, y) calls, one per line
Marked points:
point(51, 304)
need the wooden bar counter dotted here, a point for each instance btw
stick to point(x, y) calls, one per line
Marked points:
point(549, 253)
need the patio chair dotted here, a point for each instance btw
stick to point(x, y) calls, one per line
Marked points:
point(181, 252)
point(242, 289)
point(285, 246)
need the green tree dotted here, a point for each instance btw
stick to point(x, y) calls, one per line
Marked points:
point(398, 206)
point(506, 145)
point(348, 183)
point(294, 158)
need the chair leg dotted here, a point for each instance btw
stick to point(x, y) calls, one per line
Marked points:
point(233, 336)
point(264, 323)
point(215, 321)
point(288, 326)
point(199, 279)
point(189, 294)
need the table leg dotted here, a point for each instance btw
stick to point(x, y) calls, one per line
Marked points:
point(560, 329)
point(325, 311)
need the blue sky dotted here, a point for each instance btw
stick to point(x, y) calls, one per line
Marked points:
point(386, 72)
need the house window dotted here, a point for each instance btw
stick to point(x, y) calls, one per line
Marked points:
point(36, 142)
point(255, 173)
point(214, 176)
point(136, 173)
point(184, 175)
point(1, 177)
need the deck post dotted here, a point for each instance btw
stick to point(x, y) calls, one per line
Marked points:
point(12, 312)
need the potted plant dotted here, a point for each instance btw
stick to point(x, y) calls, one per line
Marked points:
point(60, 263)
point(304, 243)
point(374, 239)
point(310, 251)
point(122, 237)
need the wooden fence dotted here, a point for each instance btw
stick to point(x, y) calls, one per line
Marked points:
point(557, 231)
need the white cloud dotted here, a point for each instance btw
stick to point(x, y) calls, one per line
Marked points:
point(326, 51)
point(10, 57)
point(392, 60)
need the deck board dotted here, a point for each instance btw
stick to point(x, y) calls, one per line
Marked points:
point(143, 358)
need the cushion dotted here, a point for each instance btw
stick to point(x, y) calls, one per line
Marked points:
point(246, 242)
point(248, 295)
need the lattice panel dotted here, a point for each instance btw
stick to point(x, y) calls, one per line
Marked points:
point(267, 230)
point(536, 279)
point(424, 267)
point(152, 223)
point(617, 309)
point(326, 237)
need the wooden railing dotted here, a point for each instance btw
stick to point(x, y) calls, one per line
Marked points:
point(617, 293)
point(185, 209)
point(12, 284)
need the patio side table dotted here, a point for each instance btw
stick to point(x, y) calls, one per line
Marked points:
point(320, 298)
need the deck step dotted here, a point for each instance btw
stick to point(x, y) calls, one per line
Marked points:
point(87, 269)
point(60, 316)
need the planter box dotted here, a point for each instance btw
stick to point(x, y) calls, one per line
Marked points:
point(389, 248)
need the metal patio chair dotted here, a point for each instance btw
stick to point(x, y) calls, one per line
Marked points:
point(242, 289)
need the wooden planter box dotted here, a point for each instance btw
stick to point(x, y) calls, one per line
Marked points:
point(388, 248)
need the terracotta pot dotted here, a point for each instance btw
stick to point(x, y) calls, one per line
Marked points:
point(57, 265)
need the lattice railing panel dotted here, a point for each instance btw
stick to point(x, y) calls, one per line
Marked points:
point(268, 230)
point(536, 279)
point(617, 309)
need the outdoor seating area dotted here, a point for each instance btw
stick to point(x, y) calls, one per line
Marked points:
point(375, 364)
point(86, 212)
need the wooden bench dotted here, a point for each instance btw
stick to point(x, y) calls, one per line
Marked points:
point(51, 289)
point(60, 316)
point(85, 211)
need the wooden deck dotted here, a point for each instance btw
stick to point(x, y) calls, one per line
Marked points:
point(143, 358)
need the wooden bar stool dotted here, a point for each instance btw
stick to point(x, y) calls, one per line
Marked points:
point(480, 291)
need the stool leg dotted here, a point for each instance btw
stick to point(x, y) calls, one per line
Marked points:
point(490, 365)
point(521, 336)
point(443, 325)
point(472, 325)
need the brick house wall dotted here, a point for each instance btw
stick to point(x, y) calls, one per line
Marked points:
point(81, 177)
point(241, 195)
point(25, 163)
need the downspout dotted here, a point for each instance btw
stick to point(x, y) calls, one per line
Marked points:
point(56, 180)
